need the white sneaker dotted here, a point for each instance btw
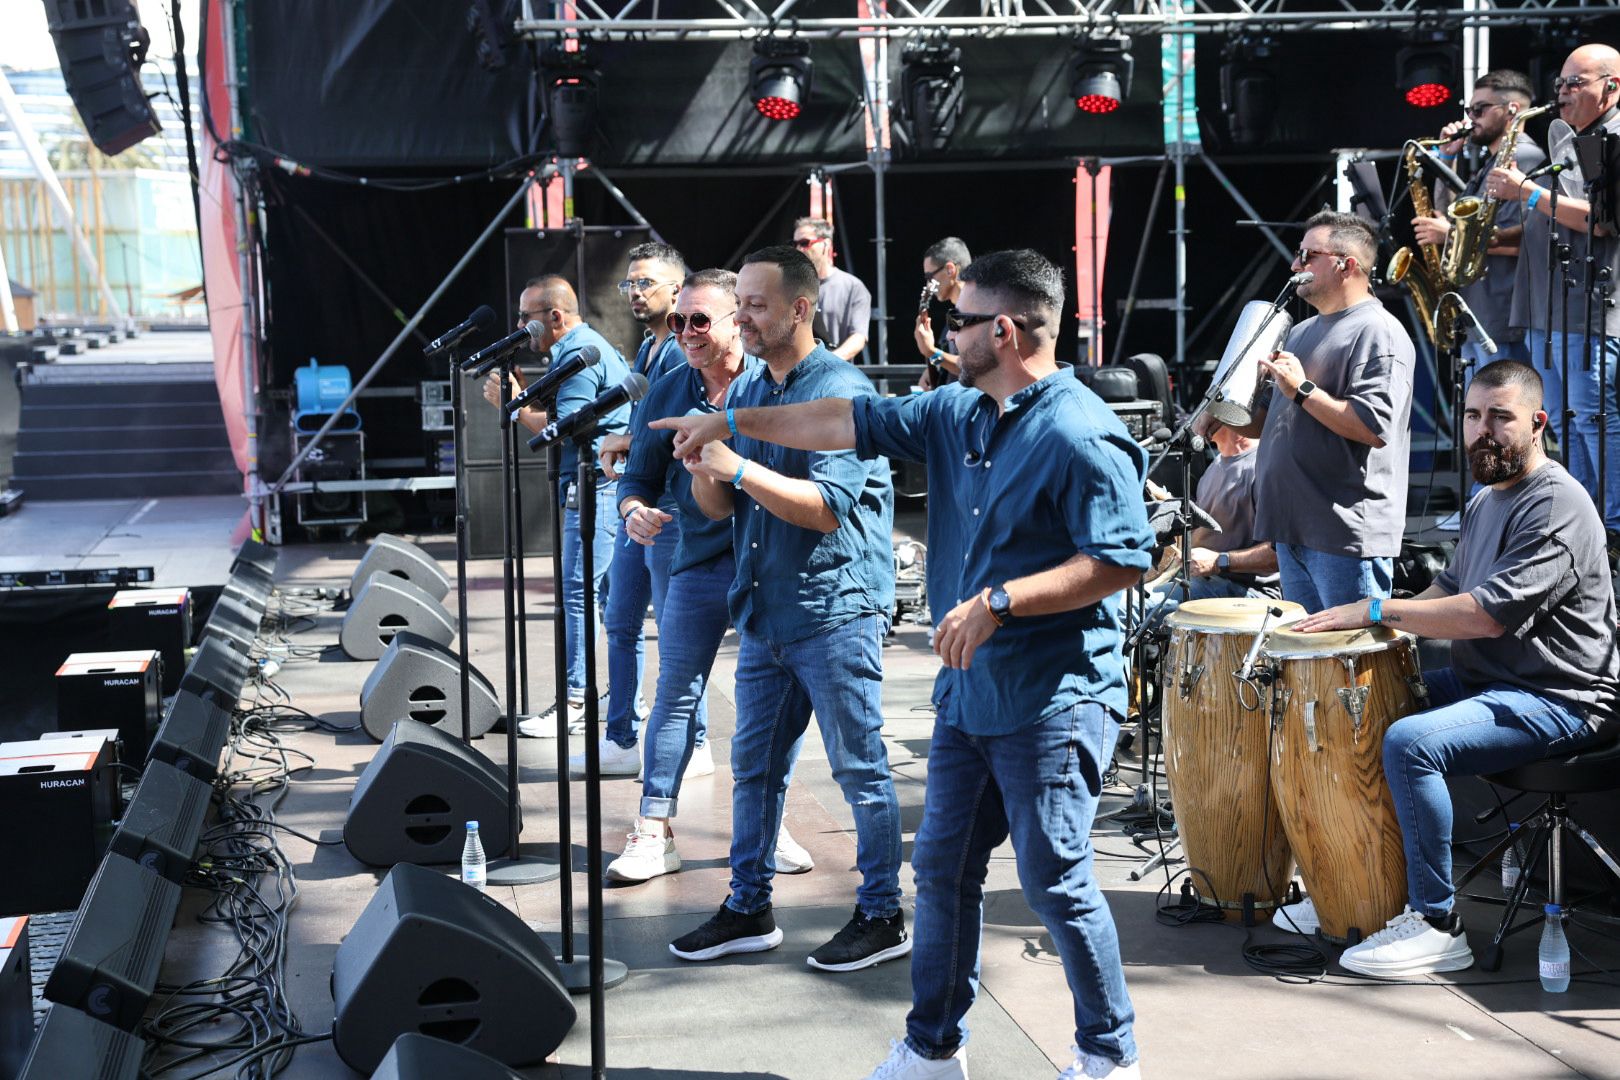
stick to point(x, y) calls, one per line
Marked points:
point(904, 1063)
point(701, 763)
point(643, 710)
point(576, 714)
point(1300, 918)
point(1409, 945)
point(646, 856)
point(544, 725)
point(611, 758)
point(791, 858)
point(1095, 1067)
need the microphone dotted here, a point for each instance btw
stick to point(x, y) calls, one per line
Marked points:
point(1480, 333)
point(545, 387)
point(1304, 277)
point(1247, 671)
point(1554, 167)
point(481, 319)
point(584, 419)
point(478, 364)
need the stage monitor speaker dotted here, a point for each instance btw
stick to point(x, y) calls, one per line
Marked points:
point(216, 673)
point(383, 607)
point(422, 1057)
point(412, 802)
point(192, 736)
point(258, 556)
point(101, 45)
point(72, 1044)
point(419, 679)
point(484, 512)
point(163, 821)
point(433, 956)
point(109, 963)
point(395, 555)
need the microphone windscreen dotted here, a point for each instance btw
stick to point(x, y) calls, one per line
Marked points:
point(635, 386)
point(590, 355)
point(484, 318)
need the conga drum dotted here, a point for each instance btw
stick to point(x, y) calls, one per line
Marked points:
point(1333, 695)
point(1215, 752)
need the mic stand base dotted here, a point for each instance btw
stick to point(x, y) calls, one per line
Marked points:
point(576, 974)
point(523, 870)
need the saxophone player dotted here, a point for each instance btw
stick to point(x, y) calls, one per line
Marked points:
point(1497, 100)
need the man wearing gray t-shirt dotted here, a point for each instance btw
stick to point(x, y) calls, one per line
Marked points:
point(1529, 607)
point(1330, 480)
point(844, 306)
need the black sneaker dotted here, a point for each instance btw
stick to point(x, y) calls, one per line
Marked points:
point(862, 943)
point(729, 932)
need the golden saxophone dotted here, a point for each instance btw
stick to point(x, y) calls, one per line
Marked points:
point(1473, 219)
point(1420, 273)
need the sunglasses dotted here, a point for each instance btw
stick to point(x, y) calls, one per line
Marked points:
point(1477, 111)
point(1304, 255)
point(1572, 82)
point(957, 321)
point(698, 320)
point(806, 244)
point(641, 285)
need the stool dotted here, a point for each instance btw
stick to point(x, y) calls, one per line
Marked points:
point(1594, 769)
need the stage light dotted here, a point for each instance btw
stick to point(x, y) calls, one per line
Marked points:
point(1426, 70)
point(572, 83)
point(1102, 68)
point(1249, 89)
point(779, 77)
point(931, 91)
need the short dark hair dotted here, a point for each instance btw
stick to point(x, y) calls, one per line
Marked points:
point(951, 249)
point(1499, 373)
point(657, 252)
point(1507, 81)
point(714, 278)
point(1350, 234)
point(799, 276)
point(820, 226)
point(1026, 278)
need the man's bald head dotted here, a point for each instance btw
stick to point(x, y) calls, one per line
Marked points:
point(554, 292)
point(1597, 57)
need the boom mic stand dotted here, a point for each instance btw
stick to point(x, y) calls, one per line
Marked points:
point(1596, 284)
point(516, 868)
point(459, 442)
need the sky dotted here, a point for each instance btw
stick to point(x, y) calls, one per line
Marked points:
point(25, 42)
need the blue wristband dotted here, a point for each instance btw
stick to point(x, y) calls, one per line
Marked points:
point(731, 422)
point(1535, 197)
point(736, 481)
point(1375, 609)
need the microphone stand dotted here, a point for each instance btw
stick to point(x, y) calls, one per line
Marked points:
point(516, 868)
point(602, 972)
point(458, 441)
point(1596, 282)
point(1459, 370)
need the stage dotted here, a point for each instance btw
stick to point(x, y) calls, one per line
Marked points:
point(1202, 1011)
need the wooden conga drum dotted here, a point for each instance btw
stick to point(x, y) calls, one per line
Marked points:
point(1333, 696)
point(1215, 752)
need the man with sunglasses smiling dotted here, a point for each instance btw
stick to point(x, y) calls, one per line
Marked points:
point(1030, 555)
point(1588, 90)
point(1330, 482)
point(695, 615)
point(844, 306)
point(1498, 97)
point(813, 536)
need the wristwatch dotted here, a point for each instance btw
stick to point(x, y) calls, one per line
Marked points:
point(1223, 562)
point(1000, 605)
point(1305, 390)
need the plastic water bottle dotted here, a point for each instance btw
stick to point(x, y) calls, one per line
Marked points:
point(472, 860)
point(1554, 952)
point(1510, 860)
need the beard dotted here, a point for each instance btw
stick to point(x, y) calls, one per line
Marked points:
point(1492, 462)
point(974, 365)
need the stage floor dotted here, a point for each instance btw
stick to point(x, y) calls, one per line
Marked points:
point(1201, 1011)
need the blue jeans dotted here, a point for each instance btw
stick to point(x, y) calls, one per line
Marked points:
point(1039, 785)
point(838, 673)
point(1581, 455)
point(573, 584)
point(1466, 731)
point(1476, 355)
point(639, 574)
point(1317, 580)
point(688, 637)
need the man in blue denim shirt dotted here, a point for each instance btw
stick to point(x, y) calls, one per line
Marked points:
point(551, 301)
point(697, 616)
point(812, 535)
point(1035, 524)
point(639, 574)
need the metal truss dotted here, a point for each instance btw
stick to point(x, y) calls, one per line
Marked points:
point(899, 19)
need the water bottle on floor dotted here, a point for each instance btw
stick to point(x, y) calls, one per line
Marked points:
point(472, 859)
point(1554, 952)
point(1510, 860)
